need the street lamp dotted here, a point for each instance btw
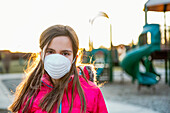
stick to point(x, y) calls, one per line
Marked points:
point(103, 14)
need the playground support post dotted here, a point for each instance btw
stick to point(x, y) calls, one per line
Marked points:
point(111, 58)
point(169, 67)
point(169, 57)
point(145, 14)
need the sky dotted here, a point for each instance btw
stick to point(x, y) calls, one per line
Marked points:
point(23, 21)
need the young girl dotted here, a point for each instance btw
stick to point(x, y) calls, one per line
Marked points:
point(52, 84)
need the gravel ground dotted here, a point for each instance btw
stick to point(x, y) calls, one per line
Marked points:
point(126, 92)
point(12, 84)
point(157, 100)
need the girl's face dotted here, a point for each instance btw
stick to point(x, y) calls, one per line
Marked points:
point(61, 45)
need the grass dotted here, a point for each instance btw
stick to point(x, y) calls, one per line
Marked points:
point(16, 66)
point(159, 63)
point(117, 68)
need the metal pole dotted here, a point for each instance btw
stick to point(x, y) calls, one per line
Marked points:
point(166, 60)
point(166, 72)
point(169, 55)
point(165, 30)
point(111, 58)
point(169, 67)
point(146, 14)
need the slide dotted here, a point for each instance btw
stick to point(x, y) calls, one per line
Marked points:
point(141, 53)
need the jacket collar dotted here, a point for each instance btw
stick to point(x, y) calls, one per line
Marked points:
point(46, 80)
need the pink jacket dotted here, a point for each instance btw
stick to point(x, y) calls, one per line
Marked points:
point(94, 100)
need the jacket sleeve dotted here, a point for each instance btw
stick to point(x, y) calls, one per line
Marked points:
point(100, 106)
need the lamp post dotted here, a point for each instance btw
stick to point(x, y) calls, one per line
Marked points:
point(103, 14)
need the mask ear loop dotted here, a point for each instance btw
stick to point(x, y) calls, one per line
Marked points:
point(74, 60)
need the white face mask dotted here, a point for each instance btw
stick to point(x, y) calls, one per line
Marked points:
point(57, 65)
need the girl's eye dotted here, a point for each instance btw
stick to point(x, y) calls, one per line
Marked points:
point(65, 54)
point(49, 52)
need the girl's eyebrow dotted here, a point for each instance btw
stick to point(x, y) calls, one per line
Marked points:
point(66, 51)
point(50, 49)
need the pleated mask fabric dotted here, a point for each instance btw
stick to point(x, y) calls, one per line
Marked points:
point(57, 65)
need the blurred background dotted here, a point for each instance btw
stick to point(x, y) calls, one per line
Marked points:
point(128, 41)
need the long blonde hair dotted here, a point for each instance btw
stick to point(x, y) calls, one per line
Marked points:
point(28, 89)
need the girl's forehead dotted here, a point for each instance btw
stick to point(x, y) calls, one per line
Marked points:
point(61, 43)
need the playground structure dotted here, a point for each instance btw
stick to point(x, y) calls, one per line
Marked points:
point(164, 53)
point(102, 63)
point(100, 59)
point(142, 53)
point(145, 52)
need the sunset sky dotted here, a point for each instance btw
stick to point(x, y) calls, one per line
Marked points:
point(22, 21)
